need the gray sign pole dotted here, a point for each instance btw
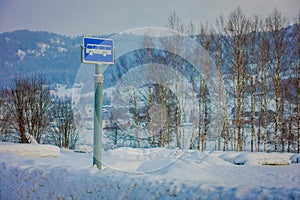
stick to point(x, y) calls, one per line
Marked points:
point(97, 148)
point(97, 51)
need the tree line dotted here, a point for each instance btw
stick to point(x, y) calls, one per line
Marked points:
point(257, 60)
point(261, 56)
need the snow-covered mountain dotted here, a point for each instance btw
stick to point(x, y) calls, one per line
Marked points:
point(58, 57)
point(25, 52)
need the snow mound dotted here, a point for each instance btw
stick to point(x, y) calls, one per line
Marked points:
point(34, 150)
point(192, 175)
point(295, 158)
point(258, 158)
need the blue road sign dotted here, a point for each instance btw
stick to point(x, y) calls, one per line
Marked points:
point(97, 51)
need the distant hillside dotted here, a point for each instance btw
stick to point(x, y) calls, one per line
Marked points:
point(57, 57)
point(25, 52)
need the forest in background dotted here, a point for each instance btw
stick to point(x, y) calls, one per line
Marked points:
point(258, 59)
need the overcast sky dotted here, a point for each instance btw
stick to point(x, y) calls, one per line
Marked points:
point(97, 17)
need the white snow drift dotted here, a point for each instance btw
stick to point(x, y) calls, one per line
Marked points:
point(156, 173)
point(37, 150)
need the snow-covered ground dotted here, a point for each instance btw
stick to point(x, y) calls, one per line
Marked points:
point(44, 172)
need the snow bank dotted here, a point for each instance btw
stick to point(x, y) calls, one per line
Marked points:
point(36, 150)
point(258, 158)
point(295, 158)
point(186, 175)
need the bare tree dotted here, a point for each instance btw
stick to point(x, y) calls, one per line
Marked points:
point(276, 24)
point(16, 102)
point(252, 77)
point(28, 101)
point(218, 40)
point(175, 24)
point(148, 44)
point(136, 120)
point(202, 100)
point(4, 118)
point(237, 28)
point(192, 35)
point(63, 129)
point(264, 47)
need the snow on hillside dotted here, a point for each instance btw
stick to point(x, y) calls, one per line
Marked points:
point(156, 173)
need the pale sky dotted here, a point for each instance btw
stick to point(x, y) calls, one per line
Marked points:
point(97, 17)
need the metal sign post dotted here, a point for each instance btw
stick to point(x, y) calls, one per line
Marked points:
point(97, 146)
point(97, 51)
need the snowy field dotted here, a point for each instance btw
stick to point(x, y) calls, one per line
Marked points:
point(31, 171)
